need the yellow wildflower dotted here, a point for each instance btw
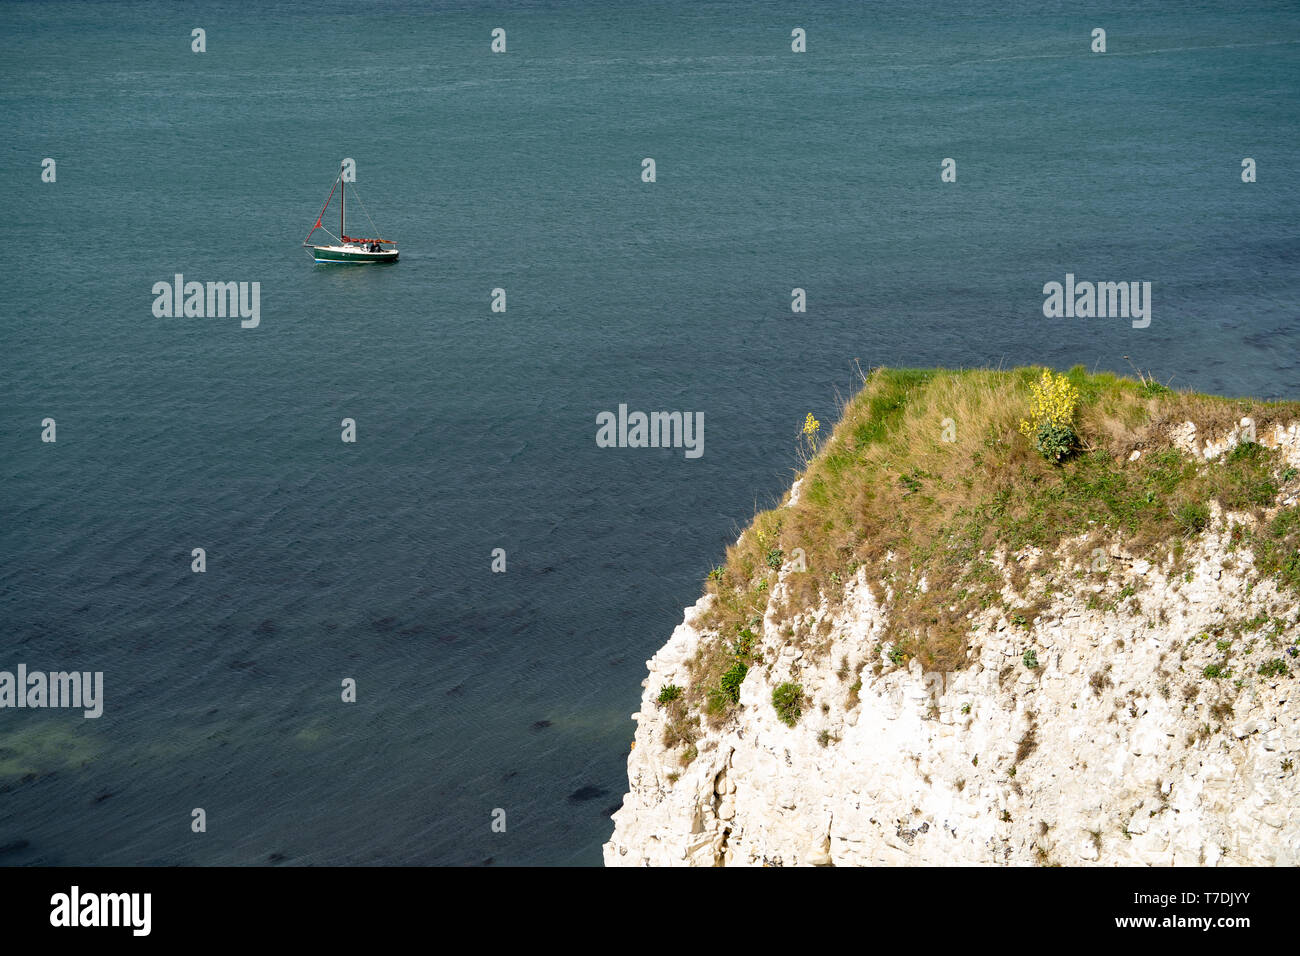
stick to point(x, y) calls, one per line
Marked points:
point(1051, 415)
point(810, 427)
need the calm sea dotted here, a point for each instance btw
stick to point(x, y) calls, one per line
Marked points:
point(475, 429)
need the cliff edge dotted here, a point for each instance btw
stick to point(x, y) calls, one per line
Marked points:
point(961, 641)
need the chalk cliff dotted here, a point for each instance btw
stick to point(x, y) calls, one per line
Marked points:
point(1116, 701)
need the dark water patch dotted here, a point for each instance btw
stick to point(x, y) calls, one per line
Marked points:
point(587, 792)
point(15, 846)
point(541, 724)
point(249, 667)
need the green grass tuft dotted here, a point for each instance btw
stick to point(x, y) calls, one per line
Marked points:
point(787, 699)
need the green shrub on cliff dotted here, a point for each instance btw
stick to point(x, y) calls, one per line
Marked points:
point(787, 699)
point(732, 679)
point(669, 693)
point(1274, 668)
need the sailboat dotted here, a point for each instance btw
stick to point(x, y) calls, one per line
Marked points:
point(348, 248)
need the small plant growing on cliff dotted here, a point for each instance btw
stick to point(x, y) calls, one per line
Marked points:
point(1192, 518)
point(669, 693)
point(1031, 659)
point(912, 482)
point(1216, 671)
point(1247, 479)
point(810, 428)
point(774, 558)
point(732, 680)
point(1274, 668)
point(1277, 548)
point(744, 646)
point(1051, 416)
point(787, 700)
point(1028, 743)
point(680, 728)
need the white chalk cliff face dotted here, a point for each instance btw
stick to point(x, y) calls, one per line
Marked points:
point(1115, 749)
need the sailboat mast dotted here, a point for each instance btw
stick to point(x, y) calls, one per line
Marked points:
point(343, 208)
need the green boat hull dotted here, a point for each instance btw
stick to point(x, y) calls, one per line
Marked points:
point(327, 254)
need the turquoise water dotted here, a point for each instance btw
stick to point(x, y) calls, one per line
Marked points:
point(476, 429)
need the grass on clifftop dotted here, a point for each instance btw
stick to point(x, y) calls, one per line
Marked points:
point(927, 476)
